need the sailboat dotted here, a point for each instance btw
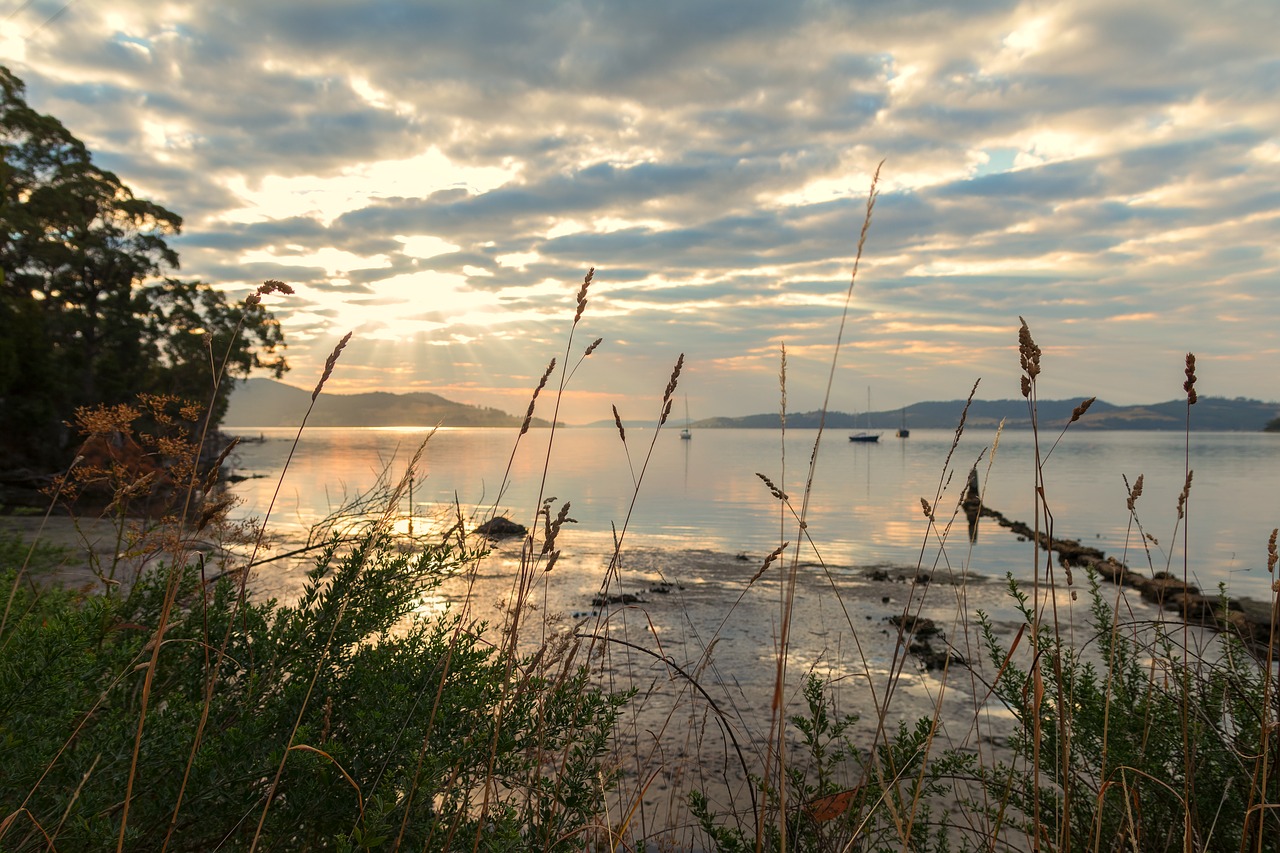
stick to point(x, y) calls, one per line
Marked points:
point(685, 433)
point(903, 432)
point(866, 436)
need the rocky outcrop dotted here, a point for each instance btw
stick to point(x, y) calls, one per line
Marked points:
point(1252, 621)
point(918, 634)
point(500, 527)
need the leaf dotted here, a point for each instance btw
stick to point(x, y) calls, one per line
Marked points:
point(831, 806)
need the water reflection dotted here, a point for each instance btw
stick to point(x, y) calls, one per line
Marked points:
point(865, 506)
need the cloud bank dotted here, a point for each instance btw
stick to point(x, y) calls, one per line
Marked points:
point(438, 177)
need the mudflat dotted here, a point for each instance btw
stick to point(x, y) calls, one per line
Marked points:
point(697, 635)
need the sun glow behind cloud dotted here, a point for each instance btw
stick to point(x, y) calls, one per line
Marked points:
point(439, 180)
point(325, 198)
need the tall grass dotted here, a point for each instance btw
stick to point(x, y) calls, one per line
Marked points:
point(174, 709)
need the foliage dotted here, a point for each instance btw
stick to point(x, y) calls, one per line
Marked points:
point(1163, 744)
point(81, 319)
point(409, 722)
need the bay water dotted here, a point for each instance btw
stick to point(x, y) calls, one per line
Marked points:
point(864, 508)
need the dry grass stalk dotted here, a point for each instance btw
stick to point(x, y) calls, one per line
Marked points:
point(542, 383)
point(671, 389)
point(211, 478)
point(1184, 495)
point(773, 490)
point(617, 420)
point(582, 295)
point(769, 561)
point(782, 387)
point(775, 767)
point(329, 365)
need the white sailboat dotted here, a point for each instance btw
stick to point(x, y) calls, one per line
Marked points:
point(686, 434)
point(866, 436)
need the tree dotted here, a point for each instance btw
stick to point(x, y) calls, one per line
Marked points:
point(83, 320)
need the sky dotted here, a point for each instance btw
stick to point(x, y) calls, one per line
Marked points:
point(437, 178)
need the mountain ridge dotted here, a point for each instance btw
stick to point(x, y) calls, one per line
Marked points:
point(1209, 414)
point(268, 403)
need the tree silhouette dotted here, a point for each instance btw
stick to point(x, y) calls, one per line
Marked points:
point(85, 317)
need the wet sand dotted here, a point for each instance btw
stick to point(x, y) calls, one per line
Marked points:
point(694, 619)
point(699, 644)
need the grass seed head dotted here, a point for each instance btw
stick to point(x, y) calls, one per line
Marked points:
point(211, 479)
point(782, 383)
point(774, 490)
point(1029, 356)
point(675, 377)
point(769, 561)
point(617, 419)
point(329, 364)
point(542, 383)
point(1135, 492)
point(266, 288)
point(582, 295)
point(1079, 410)
point(1190, 385)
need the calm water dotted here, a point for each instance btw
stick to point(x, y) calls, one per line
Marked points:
point(865, 507)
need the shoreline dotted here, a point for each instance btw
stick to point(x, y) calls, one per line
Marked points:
point(679, 617)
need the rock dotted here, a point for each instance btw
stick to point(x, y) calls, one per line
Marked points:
point(917, 625)
point(935, 659)
point(1255, 620)
point(624, 598)
point(501, 527)
point(1242, 624)
point(1195, 608)
point(1162, 589)
point(1113, 570)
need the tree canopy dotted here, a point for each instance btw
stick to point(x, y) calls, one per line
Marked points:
point(88, 312)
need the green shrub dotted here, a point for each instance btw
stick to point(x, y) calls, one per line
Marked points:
point(409, 720)
point(1163, 744)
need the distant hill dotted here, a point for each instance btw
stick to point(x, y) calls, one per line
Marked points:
point(1209, 413)
point(267, 403)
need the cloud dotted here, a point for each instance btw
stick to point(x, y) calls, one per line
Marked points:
point(1109, 169)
